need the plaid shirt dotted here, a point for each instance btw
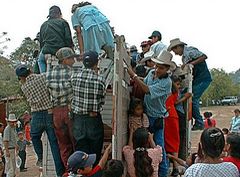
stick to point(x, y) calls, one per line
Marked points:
point(88, 92)
point(59, 83)
point(36, 92)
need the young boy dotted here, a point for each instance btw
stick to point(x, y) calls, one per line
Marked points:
point(22, 150)
point(114, 168)
point(10, 145)
point(235, 123)
point(81, 164)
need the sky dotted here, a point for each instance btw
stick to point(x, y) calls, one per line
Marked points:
point(210, 25)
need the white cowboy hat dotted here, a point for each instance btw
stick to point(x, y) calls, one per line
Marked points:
point(165, 58)
point(11, 118)
point(174, 43)
point(147, 56)
point(180, 72)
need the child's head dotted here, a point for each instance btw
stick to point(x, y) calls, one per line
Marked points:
point(114, 168)
point(176, 81)
point(27, 123)
point(136, 107)
point(237, 112)
point(207, 114)
point(81, 163)
point(20, 135)
point(233, 143)
point(225, 131)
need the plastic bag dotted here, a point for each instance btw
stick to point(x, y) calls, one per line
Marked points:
point(18, 161)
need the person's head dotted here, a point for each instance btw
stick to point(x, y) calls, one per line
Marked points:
point(207, 115)
point(27, 123)
point(141, 70)
point(90, 59)
point(133, 48)
point(136, 107)
point(176, 81)
point(233, 144)
point(22, 72)
point(176, 46)
point(142, 162)
point(1, 127)
point(12, 120)
point(191, 159)
point(212, 142)
point(147, 60)
point(114, 168)
point(155, 37)
point(81, 4)
point(66, 56)
point(54, 12)
point(145, 45)
point(81, 163)
point(237, 112)
point(20, 135)
point(225, 131)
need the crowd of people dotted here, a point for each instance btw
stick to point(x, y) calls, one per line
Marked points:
point(66, 103)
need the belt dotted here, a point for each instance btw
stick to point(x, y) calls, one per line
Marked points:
point(11, 147)
point(91, 114)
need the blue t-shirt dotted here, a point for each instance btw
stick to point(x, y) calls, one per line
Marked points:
point(155, 100)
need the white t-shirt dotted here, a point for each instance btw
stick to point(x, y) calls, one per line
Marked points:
point(157, 48)
point(224, 169)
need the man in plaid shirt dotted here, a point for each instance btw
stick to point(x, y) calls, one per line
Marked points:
point(59, 84)
point(88, 99)
point(36, 92)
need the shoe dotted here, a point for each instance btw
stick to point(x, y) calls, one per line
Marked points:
point(39, 163)
point(175, 172)
point(197, 127)
point(23, 170)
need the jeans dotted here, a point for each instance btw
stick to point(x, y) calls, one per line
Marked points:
point(42, 63)
point(198, 89)
point(89, 134)
point(22, 155)
point(43, 121)
point(159, 140)
point(63, 131)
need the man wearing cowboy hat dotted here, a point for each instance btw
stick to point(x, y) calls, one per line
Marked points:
point(10, 145)
point(157, 87)
point(157, 46)
point(201, 75)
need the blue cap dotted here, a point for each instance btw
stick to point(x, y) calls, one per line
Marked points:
point(156, 34)
point(22, 71)
point(80, 159)
point(90, 58)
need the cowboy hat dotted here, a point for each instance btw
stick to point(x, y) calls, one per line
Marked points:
point(180, 72)
point(11, 118)
point(147, 56)
point(174, 43)
point(165, 58)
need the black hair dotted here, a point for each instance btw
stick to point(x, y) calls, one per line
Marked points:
point(133, 63)
point(212, 140)
point(133, 104)
point(236, 110)
point(233, 140)
point(114, 168)
point(142, 162)
point(193, 157)
point(81, 4)
point(141, 71)
point(225, 131)
point(174, 80)
point(1, 125)
point(208, 115)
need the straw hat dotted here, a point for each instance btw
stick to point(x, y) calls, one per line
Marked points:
point(174, 43)
point(12, 118)
point(165, 58)
point(147, 56)
point(180, 72)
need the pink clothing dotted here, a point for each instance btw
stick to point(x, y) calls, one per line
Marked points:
point(138, 122)
point(154, 153)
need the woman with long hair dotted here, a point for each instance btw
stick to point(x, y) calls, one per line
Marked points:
point(141, 161)
point(212, 143)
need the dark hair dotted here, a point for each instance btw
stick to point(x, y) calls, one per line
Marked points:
point(208, 115)
point(133, 63)
point(133, 104)
point(236, 110)
point(212, 140)
point(81, 4)
point(1, 125)
point(174, 80)
point(234, 140)
point(141, 71)
point(225, 131)
point(193, 157)
point(142, 162)
point(113, 168)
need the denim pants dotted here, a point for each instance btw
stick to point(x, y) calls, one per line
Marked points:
point(159, 140)
point(22, 155)
point(43, 121)
point(89, 134)
point(42, 64)
point(198, 89)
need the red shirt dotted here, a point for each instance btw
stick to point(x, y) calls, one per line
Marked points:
point(213, 121)
point(234, 160)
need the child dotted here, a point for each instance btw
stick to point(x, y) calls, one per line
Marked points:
point(27, 131)
point(81, 164)
point(137, 118)
point(233, 144)
point(235, 123)
point(10, 145)
point(208, 120)
point(225, 131)
point(22, 150)
point(114, 168)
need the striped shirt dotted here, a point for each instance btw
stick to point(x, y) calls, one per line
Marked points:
point(88, 92)
point(36, 92)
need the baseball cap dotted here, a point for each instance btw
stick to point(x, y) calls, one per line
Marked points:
point(90, 58)
point(65, 53)
point(22, 71)
point(53, 11)
point(155, 33)
point(80, 159)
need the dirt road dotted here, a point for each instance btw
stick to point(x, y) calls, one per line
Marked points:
point(222, 114)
